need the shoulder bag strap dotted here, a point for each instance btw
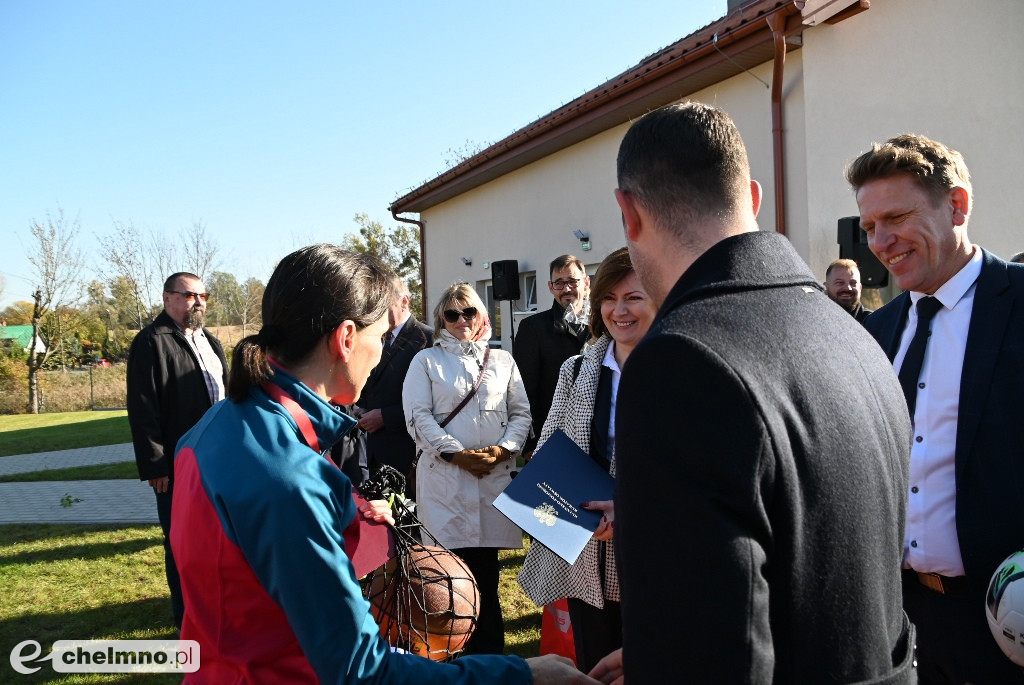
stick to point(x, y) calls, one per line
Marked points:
point(469, 395)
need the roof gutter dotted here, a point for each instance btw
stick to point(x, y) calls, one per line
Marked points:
point(423, 258)
point(777, 22)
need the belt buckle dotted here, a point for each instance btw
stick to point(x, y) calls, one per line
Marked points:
point(932, 581)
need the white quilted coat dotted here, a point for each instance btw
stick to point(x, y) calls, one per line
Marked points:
point(454, 505)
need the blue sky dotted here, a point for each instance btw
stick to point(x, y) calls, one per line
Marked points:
point(275, 123)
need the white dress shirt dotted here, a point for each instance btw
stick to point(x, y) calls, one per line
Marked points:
point(609, 361)
point(213, 371)
point(931, 544)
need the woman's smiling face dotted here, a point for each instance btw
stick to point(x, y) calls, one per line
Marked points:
point(627, 311)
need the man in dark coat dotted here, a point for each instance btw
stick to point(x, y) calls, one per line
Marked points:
point(760, 506)
point(176, 371)
point(547, 339)
point(966, 479)
point(379, 408)
point(843, 286)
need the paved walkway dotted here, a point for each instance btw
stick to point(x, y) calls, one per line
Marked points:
point(100, 501)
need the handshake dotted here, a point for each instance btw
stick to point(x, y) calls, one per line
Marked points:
point(481, 460)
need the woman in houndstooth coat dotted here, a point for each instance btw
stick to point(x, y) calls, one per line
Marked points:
point(584, 407)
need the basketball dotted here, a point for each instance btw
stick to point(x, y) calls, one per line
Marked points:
point(425, 601)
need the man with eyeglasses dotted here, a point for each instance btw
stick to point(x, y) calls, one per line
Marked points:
point(547, 339)
point(176, 371)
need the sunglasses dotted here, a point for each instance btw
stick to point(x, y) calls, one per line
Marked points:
point(452, 315)
point(189, 295)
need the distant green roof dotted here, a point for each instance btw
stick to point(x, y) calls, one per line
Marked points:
point(21, 335)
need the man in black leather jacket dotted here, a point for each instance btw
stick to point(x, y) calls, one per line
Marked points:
point(176, 371)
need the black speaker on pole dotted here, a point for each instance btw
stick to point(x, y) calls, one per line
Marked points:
point(505, 279)
point(853, 244)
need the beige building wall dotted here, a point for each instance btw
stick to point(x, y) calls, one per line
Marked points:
point(530, 214)
point(947, 69)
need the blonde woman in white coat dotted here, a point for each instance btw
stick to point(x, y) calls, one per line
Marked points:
point(584, 407)
point(468, 462)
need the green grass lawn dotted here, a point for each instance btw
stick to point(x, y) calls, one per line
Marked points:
point(64, 582)
point(31, 433)
point(123, 469)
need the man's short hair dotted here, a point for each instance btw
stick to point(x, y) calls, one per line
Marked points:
point(685, 163)
point(937, 169)
point(400, 287)
point(1018, 258)
point(566, 260)
point(841, 263)
point(172, 280)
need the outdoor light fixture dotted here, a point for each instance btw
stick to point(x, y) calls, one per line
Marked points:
point(584, 239)
point(468, 261)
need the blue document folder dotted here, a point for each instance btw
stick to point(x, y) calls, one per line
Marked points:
point(545, 498)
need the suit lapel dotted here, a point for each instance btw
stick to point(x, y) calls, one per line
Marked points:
point(993, 303)
point(891, 332)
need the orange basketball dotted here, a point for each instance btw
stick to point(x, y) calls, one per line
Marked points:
point(431, 607)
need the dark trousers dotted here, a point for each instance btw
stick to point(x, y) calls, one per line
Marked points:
point(954, 643)
point(489, 636)
point(163, 511)
point(596, 632)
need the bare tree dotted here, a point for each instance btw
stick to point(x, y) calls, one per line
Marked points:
point(200, 251)
point(58, 263)
point(125, 252)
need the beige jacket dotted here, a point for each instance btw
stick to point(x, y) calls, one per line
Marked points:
point(454, 505)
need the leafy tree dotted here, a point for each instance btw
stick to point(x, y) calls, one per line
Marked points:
point(252, 311)
point(398, 247)
point(17, 314)
point(227, 299)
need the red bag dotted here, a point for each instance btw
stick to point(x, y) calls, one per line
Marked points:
point(556, 631)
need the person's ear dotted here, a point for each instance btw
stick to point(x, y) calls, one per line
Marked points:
point(961, 203)
point(630, 217)
point(342, 340)
point(755, 195)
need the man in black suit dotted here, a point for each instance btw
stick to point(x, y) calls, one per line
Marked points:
point(967, 463)
point(547, 339)
point(379, 408)
point(760, 506)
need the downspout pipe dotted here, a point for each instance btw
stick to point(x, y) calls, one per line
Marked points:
point(423, 259)
point(777, 23)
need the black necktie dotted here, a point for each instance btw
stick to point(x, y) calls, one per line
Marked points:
point(910, 371)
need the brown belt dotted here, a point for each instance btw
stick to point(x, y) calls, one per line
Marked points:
point(944, 585)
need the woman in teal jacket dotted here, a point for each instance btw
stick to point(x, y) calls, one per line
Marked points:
point(260, 513)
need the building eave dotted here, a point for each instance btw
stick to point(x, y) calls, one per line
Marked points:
point(739, 41)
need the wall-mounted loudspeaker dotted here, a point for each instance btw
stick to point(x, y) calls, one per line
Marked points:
point(853, 244)
point(505, 279)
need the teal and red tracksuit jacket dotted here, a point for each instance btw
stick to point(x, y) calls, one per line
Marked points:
point(257, 531)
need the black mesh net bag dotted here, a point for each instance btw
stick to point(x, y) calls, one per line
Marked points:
point(425, 600)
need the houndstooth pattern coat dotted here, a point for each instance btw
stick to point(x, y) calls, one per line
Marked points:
point(545, 576)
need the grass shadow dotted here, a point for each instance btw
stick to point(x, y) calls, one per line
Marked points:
point(86, 552)
point(11, 533)
point(147, 619)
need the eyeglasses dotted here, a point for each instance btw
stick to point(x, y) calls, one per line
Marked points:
point(573, 283)
point(189, 295)
point(453, 315)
